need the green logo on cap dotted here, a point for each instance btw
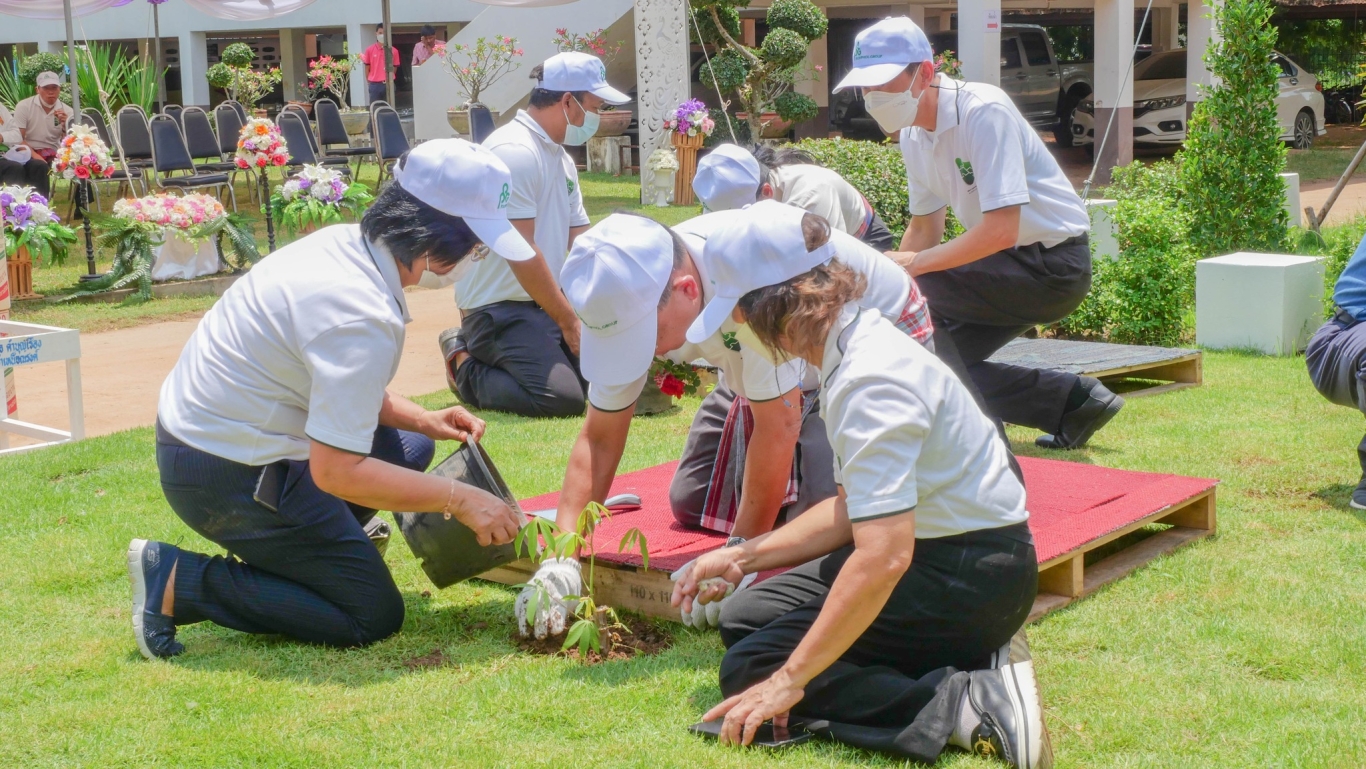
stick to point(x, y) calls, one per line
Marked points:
point(602, 70)
point(503, 196)
point(965, 171)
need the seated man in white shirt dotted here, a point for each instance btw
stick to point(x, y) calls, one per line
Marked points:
point(731, 177)
point(638, 287)
point(41, 118)
point(517, 349)
point(277, 435)
point(30, 173)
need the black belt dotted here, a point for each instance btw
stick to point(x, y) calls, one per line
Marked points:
point(1345, 318)
point(164, 437)
point(1076, 240)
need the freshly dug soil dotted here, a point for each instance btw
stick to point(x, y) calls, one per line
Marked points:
point(640, 637)
point(435, 659)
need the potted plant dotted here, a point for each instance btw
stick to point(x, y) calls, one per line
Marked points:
point(333, 75)
point(761, 77)
point(233, 74)
point(307, 93)
point(140, 228)
point(476, 68)
point(32, 229)
point(316, 197)
point(664, 163)
point(688, 125)
point(613, 120)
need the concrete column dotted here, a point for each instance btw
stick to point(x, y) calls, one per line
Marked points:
point(1164, 32)
point(194, 61)
point(1114, 94)
point(818, 89)
point(1200, 29)
point(979, 40)
point(358, 38)
point(945, 21)
point(293, 61)
point(661, 75)
point(54, 46)
point(915, 13)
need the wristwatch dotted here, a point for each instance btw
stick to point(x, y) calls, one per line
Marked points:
point(733, 541)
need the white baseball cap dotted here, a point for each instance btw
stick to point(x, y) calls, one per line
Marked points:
point(614, 278)
point(578, 71)
point(727, 178)
point(469, 181)
point(47, 78)
point(883, 50)
point(762, 249)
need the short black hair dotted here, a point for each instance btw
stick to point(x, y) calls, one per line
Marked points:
point(411, 229)
point(541, 97)
point(427, 30)
point(770, 159)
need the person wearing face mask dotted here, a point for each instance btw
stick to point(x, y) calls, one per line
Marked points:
point(517, 347)
point(278, 439)
point(637, 288)
point(1024, 258)
point(41, 118)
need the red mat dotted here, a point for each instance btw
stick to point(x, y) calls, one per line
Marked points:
point(1070, 504)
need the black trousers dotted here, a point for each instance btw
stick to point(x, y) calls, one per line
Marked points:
point(878, 236)
point(985, 304)
point(307, 571)
point(376, 91)
point(33, 174)
point(898, 687)
point(519, 363)
point(1336, 358)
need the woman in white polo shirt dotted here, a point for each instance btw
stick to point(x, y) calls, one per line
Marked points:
point(278, 439)
point(1024, 258)
point(889, 632)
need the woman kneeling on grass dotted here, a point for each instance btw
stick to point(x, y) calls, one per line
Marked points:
point(894, 630)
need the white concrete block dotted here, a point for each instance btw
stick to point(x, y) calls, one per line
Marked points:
point(1104, 229)
point(1269, 302)
point(1292, 199)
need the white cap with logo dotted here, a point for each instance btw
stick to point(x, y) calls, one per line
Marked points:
point(765, 248)
point(614, 277)
point(578, 71)
point(883, 50)
point(469, 181)
point(47, 78)
point(727, 178)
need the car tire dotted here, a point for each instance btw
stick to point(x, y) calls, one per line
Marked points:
point(1302, 137)
point(1062, 130)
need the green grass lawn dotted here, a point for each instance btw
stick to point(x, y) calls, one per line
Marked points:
point(603, 194)
point(1242, 650)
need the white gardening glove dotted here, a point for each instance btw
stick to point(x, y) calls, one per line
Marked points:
point(708, 615)
point(560, 577)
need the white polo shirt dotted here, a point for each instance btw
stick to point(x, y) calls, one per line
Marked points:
point(43, 130)
point(545, 187)
point(821, 191)
point(9, 129)
point(301, 347)
point(907, 435)
point(746, 372)
point(983, 155)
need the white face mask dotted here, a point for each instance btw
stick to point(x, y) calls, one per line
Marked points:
point(892, 111)
point(746, 337)
point(575, 135)
point(437, 280)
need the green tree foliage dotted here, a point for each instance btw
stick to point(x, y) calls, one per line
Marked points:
point(40, 62)
point(1234, 155)
point(762, 78)
point(1143, 296)
point(237, 56)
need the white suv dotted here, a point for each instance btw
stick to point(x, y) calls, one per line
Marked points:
point(1160, 104)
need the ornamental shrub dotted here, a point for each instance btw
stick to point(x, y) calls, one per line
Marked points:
point(219, 75)
point(729, 69)
point(237, 55)
point(800, 16)
point(783, 48)
point(724, 126)
point(730, 20)
point(40, 62)
point(795, 107)
point(1233, 151)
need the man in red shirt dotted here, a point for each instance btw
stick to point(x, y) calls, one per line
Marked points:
point(373, 57)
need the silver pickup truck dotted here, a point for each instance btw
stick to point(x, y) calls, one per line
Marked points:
point(1045, 90)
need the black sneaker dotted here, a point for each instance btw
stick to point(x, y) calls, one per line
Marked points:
point(1358, 500)
point(1079, 424)
point(149, 569)
point(377, 529)
point(452, 344)
point(1015, 653)
point(1007, 701)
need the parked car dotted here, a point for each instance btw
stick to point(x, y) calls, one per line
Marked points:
point(1160, 104)
point(1046, 91)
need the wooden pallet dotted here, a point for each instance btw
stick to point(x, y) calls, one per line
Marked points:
point(1110, 363)
point(1062, 580)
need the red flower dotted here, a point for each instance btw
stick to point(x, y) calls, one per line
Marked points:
point(82, 172)
point(670, 385)
point(261, 162)
point(279, 160)
point(108, 172)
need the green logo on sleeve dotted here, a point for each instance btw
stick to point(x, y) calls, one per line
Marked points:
point(729, 340)
point(965, 171)
point(569, 183)
point(504, 196)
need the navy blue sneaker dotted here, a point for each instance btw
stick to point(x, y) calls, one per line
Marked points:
point(149, 569)
point(1358, 500)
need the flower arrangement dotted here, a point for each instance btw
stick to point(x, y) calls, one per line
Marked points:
point(140, 224)
point(691, 118)
point(675, 379)
point(592, 42)
point(477, 67)
point(332, 75)
point(663, 160)
point(83, 155)
point(945, 61)
point(316, 197)
point(260, 145)
point(30, 223)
